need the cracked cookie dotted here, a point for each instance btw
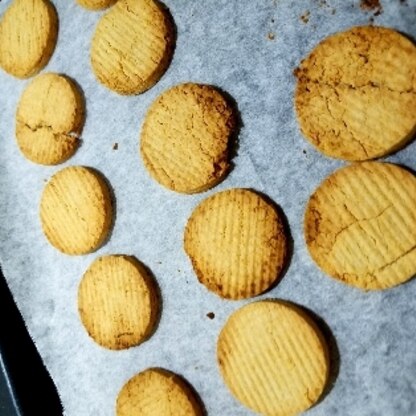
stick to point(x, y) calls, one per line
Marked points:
point(118, 302)
point(75, 210)
point(96, 4)
point(132, 46)
point(45, 135)
point(28, 33)
point(186, 137)
point(156, 392)
point(356, 93)
point(237, 243)
point(360, 225)
point(273, 358)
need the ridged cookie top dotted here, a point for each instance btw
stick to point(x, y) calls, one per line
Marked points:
point(45, 135)
point(28, 32)
point(157, 392)
point(360, 225)
point(75, 210)
point(185, 138)
point(237, 243)
point(273, 358)
point(132, 45)
point(356, 93)
point(96, 4)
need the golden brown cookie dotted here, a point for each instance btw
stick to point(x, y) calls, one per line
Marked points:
point(45, 135)
point(273, 358)
point(28, 33)
point(360, 225)
point(157, 392)
point(76, 211)
point(96, 4)
point(356, 93)
point(185, 138)
point(237, 243)
point(118, 302)
point(132, 45)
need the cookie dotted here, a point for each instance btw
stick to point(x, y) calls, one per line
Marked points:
point(96, 4)
point(28, 33)
point(185, 138)
point(356, 93)
point(118, 302)
point(132, 46)
point(360, 225)
point(76, 211)
point(273, 358)
point(45, 135)
point(236, 242)
point(157, 392)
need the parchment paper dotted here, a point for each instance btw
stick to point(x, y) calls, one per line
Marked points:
point(226, 43)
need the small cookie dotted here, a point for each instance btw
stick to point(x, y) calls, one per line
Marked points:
point(360, 225)
point(237, 243)
point(96, 4)
point(118, 302)
point(75, 210)
point(45, 135)
point(132, 46)
point(356, 93)
point(273, 358)
point(157, 392)
point(185, 138)
point(28, 33)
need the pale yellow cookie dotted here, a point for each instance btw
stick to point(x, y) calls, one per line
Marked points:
point(96, 4)
point(132, 45)
point(186, 136)
point(360, 225)
point(49, 119)
point(76, 211)
point(118, 302)
point(157, 392)
point(356, 93)
point(28, 33)
point(273, 358)
point(237, 243)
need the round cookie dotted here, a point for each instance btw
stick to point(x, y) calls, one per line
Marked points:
point(360, 225)
point(185, 138)
point(273, 358)
point(118, 302)
point(45, 135)
point(237, 243)
point(96, 4)
point(132, 46)
point(356, 93)
point(28, 33)
point(76, 211)
point(156, 392)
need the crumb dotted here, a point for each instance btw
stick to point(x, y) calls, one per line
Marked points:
point(372, 5)
point(271, 36)
point(305, 16)
point(323, 3)
point(159, 262)
point(304, 151)
point(371, 20)
point(211, 315)
point(333, 11)
point(179, 270)
point(272, 20)
point(45, 180)
point(115, 146)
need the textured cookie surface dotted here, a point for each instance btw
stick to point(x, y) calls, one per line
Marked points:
point(273, 358)
point(360, 225)
point(185, 138)
point(44, 134)
point(96, 4)
point(356, 93)
point(132, 46)
point(157, 392)
point(28, 32)
point(118, 302)
point(75, 210)
point(236, 242)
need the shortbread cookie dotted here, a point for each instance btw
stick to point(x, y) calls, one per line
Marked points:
point(118, 302)
point(360, 225)
point(28, 33)
point(356, 93)
point(45, 134)
point(132, 45)
point(237, 243)
point(273, 358)
point(186, 137)
point(96, 4)
point(157, 392)
point(76, 210)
